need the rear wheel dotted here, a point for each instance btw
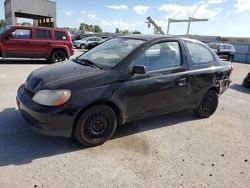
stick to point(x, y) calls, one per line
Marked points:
point(208, 104)
point(58, 56)
point(96, 125)
point(82, 46)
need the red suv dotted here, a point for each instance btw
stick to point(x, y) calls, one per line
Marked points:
point(35, 42)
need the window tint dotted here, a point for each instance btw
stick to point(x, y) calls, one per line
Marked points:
point(160, 56)
point(21, 34)
point(199, 54)
point(43, 34)
point(60, 35)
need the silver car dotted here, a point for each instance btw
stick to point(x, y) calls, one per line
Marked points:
point(83, 43)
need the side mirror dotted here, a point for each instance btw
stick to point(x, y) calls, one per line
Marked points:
point(139, 70)
point(8, 36)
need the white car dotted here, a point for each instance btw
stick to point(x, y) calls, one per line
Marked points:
point(83, 43)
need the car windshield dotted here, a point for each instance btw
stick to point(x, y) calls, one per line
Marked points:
point(108, 54)
point(3, 30)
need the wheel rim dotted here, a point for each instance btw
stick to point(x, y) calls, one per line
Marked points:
point(208, 104)
point(96, 126)
point(58, 56)
point(82, 46)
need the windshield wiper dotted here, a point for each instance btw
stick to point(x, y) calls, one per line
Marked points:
point(90, 63)
point(86, 62)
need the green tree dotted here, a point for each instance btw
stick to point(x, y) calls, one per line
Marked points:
point(97, 29)
point(117, 30)
point(90, 28)
point(136, 32)
point(2, 23)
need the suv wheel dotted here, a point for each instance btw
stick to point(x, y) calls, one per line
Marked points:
point(96, 125)
point(231, 58)
point(82, 46)
point(208, 104)
point(57, 56)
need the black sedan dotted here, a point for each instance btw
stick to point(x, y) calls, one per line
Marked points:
point(121, 80)
point(246, 81)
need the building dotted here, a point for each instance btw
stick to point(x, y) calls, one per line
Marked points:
point(43, 12)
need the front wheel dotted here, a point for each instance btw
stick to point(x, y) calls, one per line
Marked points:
point(96, 125)
point(58, 56)
point(208, 104)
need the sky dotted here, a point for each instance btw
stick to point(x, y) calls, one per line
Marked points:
point(226, 17)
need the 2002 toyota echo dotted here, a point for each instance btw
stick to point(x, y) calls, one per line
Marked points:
point(121, 80)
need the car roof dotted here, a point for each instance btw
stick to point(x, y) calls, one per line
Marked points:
point(148, 37)
point(36, 27)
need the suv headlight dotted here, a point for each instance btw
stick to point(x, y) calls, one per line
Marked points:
point(52, 97)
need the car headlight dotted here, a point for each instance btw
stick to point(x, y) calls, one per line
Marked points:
point(52, 97)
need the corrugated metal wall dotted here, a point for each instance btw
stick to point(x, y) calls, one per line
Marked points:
point(242, 45)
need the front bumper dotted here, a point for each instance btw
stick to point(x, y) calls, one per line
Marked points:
point(50, 121)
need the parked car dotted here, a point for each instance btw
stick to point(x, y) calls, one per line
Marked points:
point(121, 80)
point(246, 81)
point(83, 43)
point(94, 44)
point(223, 50)
point(52, 44)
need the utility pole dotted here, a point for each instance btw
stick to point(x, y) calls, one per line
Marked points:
point(156, 27)
point(170, 20)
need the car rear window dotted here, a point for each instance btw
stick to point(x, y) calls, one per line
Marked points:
point(43, 34)
point(60, 35)
point(198, 53)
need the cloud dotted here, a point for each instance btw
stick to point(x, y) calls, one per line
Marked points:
point(242, 6)
point(198, 10)
point(118, 7)
point(122, 24)
point(68, 13)
point(216, 1)
point(140, 9)
point(91, 16)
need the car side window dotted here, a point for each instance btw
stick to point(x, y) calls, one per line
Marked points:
point(160, 56)
point(199, 53)
point(22, 34)
point(60, 35)
point(43, 34)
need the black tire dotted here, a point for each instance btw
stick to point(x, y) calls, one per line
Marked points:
point(208, 104)
point(82, 46)
point(96, 125)
point(231, 58)
point(57, 56)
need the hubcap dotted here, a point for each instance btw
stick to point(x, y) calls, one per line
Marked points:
point(96, 126)
point(208, 104)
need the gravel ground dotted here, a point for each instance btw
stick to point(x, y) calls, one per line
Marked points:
point(176, 150)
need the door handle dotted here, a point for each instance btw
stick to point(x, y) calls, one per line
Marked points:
point(182, 81)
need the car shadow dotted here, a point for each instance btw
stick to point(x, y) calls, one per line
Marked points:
point(23, 61)
point(240, 88)
point(19, 145)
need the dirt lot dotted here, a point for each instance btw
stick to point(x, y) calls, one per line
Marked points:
point(177, 150)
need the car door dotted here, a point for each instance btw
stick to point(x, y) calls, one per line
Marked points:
point(42, 43)
point(19, 43)
point(164, 86)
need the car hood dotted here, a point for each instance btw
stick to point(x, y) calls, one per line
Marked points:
point(58, 75)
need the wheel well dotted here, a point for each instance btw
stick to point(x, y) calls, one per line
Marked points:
point(216, 89)
point(61, 49)
point(108, 103)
